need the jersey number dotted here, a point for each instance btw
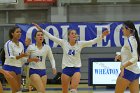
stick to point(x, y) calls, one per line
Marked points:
point(71, 52)
point(40, 58)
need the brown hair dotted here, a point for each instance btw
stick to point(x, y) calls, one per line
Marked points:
point(12, 30)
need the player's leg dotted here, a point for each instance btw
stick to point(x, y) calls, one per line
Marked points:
point(1, 89)
point(121, 85)
point(65, 79)
point(11, 79)
point(134, 86)
point(36, 81)
point(44, 80)
point(75, 82)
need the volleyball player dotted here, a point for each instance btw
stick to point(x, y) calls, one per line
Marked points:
point(37, 70)
point(15, 56)
point(71, 61)
point(129, 75)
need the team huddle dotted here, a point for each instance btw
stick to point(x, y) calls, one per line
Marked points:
point(35, 54)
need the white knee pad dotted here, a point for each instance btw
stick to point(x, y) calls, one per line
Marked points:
point(73, 90)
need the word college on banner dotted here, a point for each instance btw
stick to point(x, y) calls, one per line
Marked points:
point(86, 31)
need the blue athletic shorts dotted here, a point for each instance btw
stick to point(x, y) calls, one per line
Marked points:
point(15, 69)
point(129, 75)
point(40, 72)
point(70, 71)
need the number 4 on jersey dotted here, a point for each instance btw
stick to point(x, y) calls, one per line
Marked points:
point(71, 52)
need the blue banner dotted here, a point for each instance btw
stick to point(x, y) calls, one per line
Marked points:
point(86, 31)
